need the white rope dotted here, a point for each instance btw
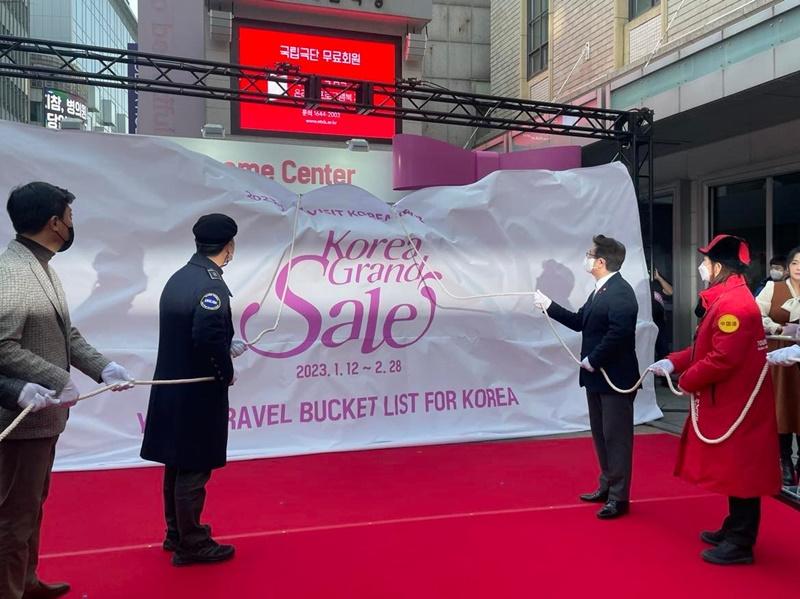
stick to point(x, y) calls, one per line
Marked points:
point(15, 422)
point(258, 337)
point(275, 274)
point(575, 66)
point(696, 412)
point(100, 390)
point(424, 266)
point(663, 35)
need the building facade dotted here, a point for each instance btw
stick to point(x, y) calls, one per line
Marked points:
point(108, 23)
point(444, 42)
point(723, 80)
point(723, 77)
point(14, 92)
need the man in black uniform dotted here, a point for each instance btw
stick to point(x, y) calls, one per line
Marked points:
point(187, 425)
point(608, 323)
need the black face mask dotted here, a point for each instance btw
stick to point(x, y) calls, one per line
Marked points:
point(69, 240)
point(699, 310)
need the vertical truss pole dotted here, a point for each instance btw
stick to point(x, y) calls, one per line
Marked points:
point(637, 154)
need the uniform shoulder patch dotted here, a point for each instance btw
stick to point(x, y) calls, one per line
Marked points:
point(214, 274)
point(210, 301)
point(728, 323)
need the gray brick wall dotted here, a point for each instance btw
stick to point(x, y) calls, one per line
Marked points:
point(507, 59)
point(695, 14)
point(457, 56)
point(574, 23)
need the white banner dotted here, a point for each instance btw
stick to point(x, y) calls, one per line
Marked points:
point(302, 167)
point(369, 352)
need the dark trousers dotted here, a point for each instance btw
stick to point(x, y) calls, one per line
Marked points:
point(25, 467)
point(741, 525)
point(184, 498)
point(611, 420)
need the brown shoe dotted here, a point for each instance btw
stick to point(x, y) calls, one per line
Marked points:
point(44, 590)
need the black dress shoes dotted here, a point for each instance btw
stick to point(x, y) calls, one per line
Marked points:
point(787, 472)
point(208, 553)
point(614, 508)
point(712, 537)
point(728, 554)
point(599, 496)
point(42, 590)
point(171, 541)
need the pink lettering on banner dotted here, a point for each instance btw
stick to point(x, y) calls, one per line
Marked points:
point(440, 401)
point(300, 174)
point(334, 410)
point(257, 417)
point(488, 398)
point(347, 261)
point(360, 407)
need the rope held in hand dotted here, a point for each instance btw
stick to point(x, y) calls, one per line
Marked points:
point(258, 337)
point(98, 391)
point(423, 265)
point(695, 411)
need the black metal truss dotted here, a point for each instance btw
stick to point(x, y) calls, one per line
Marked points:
point(284, 85)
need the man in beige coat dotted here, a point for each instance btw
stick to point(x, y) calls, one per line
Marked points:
point(39, 345)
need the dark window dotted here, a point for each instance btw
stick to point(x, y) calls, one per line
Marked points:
point(741, 209)
point(638, 7)
point(537, 36)
point(785, 213)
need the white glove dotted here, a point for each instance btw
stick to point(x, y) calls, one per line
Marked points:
point(786, 356)
point(37, 396)
point(69, 395)
point(238, 347)
point(662, 368)
point(586, 365)
point(116, 375)
point(541, 301)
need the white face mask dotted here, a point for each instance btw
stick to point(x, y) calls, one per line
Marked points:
point(588, 264)
point(775, 275)
point(705, 274)
point(228, 259)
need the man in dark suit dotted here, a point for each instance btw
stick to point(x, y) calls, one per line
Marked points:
point(608, 323)
point(187, 425)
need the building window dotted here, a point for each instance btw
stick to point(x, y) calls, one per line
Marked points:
point(746, 209)
point(741, 209)
point(638, 7)
point(785, 214)
point(537, 36)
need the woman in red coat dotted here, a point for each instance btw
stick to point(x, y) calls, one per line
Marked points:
point(722, 372)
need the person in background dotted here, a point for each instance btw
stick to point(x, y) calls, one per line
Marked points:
point(779, 303)
point(722, 371)
point(607, 322)
point(777, 272)
point(661, 290)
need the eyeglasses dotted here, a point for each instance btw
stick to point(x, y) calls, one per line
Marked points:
point(591, 255)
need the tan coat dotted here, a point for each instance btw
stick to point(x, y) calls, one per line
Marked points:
point(773, 302)
point(37, 340)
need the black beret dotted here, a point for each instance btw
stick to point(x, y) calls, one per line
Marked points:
point(214, 229)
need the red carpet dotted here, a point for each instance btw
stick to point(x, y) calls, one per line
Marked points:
point(476, 520)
